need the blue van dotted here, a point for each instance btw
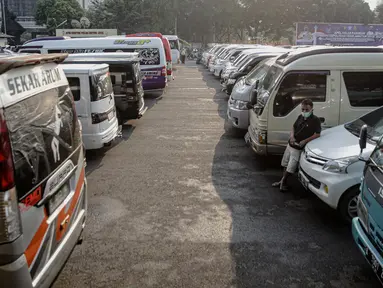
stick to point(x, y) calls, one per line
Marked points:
point(367, 227)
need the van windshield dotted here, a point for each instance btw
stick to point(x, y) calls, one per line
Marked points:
point(44, 133)
point(271, 79)
point(102, 86)
point(258, 73)
point(174, 45)
point(374, 122)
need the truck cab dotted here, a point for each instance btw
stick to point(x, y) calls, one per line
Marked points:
point(367, 227)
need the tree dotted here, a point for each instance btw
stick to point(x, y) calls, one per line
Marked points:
point(54, 12)
point(379, 13)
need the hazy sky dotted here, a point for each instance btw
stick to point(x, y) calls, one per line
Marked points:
point(372, 3)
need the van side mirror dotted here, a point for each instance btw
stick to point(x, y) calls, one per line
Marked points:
point(253, 97)
point(363, 138)
point(256, 85)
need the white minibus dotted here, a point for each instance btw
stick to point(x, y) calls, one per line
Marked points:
point(93, 95)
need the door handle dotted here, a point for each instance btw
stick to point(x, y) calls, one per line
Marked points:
point(322, 120)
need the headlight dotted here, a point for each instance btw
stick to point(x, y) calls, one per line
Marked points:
point(340, 165)
point(238, 104)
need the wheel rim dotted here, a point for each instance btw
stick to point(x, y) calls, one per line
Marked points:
point(352, 207)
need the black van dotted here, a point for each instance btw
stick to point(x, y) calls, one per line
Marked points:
point(126, 76)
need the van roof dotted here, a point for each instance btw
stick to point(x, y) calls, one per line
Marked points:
point(348, 52)
point(117, 41)
point(11, 62)
point(83, 68)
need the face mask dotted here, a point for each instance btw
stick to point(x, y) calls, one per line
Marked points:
point(307, 114)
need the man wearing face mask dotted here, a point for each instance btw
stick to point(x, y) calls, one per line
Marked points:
point(306, 128)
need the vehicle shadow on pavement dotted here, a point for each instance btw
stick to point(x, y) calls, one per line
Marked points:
point(280, 239)
point(220, 97)
point(94, 157)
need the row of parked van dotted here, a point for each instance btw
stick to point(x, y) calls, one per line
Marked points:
point(266, 86)
point(108, 77)
point(52, 106)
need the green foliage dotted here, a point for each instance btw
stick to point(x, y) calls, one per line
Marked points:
point(198, 20)
point(54, 12)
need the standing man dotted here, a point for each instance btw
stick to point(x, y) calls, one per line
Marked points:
point(306, 128)
point(183, 55)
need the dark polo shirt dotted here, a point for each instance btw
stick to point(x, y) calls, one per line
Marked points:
point(305, 128)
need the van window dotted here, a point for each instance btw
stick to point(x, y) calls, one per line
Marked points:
point(101, 86)
point(74, 84)
point(364, 89)
point(296, 87)
point(174, 44)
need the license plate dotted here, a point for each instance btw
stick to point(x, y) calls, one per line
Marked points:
point(58, 198)
point(110, 115)
point(303, 181)
point(378, 269)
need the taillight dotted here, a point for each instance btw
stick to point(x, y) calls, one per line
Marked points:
point(7, 179)
point(163, 71)
point(101, 117)
point(10, 224)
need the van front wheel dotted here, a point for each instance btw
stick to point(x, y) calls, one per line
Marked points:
point(348, 204)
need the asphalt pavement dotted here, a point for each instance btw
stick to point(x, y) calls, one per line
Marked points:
point(179, 201)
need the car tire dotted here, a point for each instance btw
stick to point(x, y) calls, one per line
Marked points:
point(348, 204)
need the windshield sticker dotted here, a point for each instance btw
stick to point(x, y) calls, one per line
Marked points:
point(23, 82)
point(132, 42)
point(56, 127)
point(75, 51)
point(149, 56)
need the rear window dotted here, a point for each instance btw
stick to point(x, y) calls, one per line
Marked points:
point(174, 45)
point(101, 86)
point(44, 133)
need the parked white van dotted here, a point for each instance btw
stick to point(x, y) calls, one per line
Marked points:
point(93, 95)
point(341, 81)
point(175, 47)
point(330, 165)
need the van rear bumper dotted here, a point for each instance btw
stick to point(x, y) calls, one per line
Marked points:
point(97, 141)
point(17, 275)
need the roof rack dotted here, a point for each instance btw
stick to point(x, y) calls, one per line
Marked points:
point(8, 63)
point(290, 57)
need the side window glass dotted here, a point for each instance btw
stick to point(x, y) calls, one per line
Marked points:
point(74, 84)
point(364, 89)
point(296, 87)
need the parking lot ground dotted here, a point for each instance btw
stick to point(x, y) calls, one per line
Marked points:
point(180, 202)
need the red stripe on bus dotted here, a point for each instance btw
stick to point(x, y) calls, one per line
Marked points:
point(34, 245)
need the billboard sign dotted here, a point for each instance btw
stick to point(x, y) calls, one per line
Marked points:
point(344, 34)
point(83, 33)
